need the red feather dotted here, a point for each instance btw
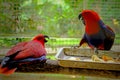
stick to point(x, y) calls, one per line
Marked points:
point(31, 49)
point(91, 19)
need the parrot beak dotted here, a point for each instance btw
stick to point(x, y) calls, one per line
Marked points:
point(45, 36)
point(80, 16)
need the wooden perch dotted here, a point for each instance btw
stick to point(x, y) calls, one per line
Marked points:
point(52, 66)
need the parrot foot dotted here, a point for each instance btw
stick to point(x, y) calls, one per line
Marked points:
point(96, 50)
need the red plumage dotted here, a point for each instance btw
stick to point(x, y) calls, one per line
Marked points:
point(91, 21)
point(31, 49)
point(28, 49)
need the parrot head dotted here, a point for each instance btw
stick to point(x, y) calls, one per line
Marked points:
point(41, 38)
point(86, 15)
point(90, 19)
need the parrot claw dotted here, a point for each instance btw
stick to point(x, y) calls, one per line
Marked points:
point(96, 50)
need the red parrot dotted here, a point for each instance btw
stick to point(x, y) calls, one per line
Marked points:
point(97, 35)
point(24, 52)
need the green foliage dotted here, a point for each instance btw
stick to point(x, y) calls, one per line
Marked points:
point(52, 42)
point(9, 42)
point(56, 18)
point(38, 16)
point(51, 57)
point(58, 42)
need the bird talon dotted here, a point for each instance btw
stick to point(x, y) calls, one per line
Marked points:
point(96, 51)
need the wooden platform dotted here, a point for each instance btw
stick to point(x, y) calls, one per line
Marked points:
point(51, 66)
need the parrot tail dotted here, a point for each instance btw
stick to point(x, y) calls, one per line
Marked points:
point(7, 71)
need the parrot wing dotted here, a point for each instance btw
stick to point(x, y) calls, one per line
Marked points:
point(109, 35)
point(16, 48)
point(109, 40)
point(32, 49)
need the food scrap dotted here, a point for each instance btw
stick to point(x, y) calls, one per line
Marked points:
point(96, 58)
point(104, 58)
point(107, 58)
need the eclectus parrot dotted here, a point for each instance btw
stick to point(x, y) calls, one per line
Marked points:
point(23, 52)
point(97, 35)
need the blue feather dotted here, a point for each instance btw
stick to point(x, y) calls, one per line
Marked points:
point(30, 59)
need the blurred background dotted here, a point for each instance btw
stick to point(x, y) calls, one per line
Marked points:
point(20, 20)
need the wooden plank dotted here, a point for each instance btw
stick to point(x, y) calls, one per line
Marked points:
point(52, 66)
